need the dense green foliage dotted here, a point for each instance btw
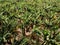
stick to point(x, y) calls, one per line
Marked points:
point(30, 22)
